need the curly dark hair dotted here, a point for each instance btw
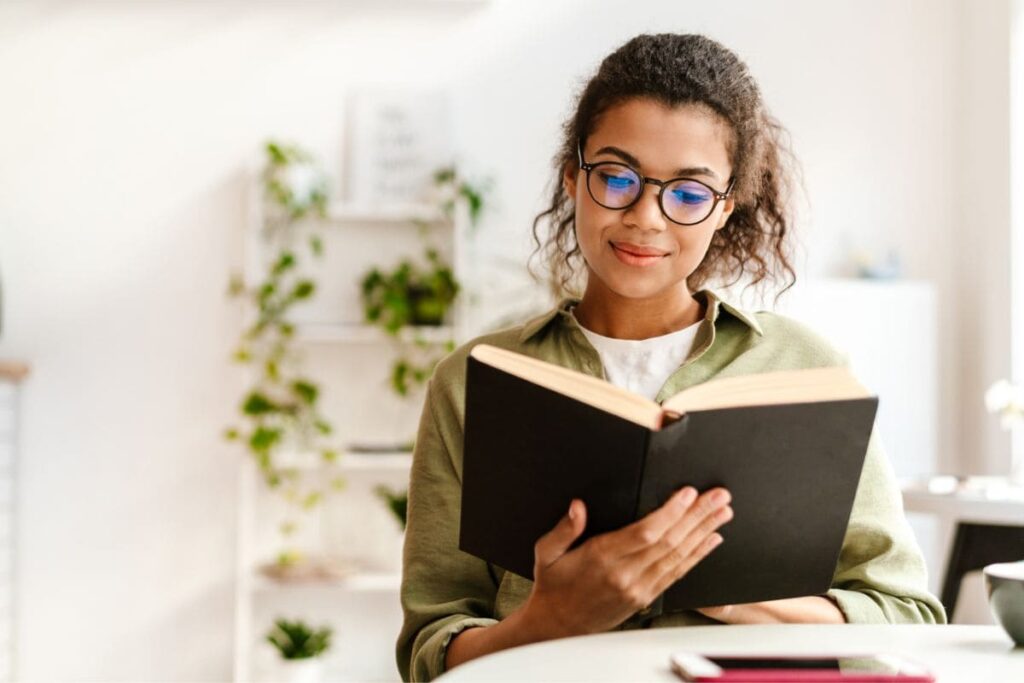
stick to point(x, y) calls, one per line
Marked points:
point(676, 70)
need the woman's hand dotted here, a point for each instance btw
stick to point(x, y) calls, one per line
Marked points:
point(808, 610)
point(603, 582)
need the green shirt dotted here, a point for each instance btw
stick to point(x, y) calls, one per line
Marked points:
point(880, 576)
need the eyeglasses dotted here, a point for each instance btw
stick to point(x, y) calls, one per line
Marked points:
point(683, 201)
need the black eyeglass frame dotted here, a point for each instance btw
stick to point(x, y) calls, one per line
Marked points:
point(719, 196)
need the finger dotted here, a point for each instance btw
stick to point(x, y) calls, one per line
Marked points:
point(703, 517)
point(672, 570)
point(556, 542)
point(649, 530)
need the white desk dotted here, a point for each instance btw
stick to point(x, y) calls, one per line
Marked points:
point(955, 654)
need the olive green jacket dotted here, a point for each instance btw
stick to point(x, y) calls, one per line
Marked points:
point(880, 576)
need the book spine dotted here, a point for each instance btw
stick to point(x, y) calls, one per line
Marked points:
point(662, 465)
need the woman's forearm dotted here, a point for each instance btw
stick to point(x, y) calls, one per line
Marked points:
point(809, 610)
point(514, 630)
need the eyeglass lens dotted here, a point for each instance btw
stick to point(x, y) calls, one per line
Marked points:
point(615, 186)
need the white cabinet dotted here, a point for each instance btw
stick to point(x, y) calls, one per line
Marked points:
point(351, 362)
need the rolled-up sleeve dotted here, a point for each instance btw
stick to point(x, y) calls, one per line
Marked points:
point(881, 575)
point(444, 590)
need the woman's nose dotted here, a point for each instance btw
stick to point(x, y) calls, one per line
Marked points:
point(646, 211)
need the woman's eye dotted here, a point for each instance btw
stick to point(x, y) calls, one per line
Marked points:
point(690, 197)
point(617, 182)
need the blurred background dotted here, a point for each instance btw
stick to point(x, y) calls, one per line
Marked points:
point(234, 237)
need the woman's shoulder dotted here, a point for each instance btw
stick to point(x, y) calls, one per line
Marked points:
point(450, 372)
point(798, 341)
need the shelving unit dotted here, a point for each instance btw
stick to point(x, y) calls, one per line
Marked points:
point(350, 360)
point(367, 334)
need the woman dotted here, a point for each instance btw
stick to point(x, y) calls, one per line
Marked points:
point(669, 176)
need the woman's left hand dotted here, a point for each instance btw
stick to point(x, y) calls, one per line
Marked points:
point(808, 610)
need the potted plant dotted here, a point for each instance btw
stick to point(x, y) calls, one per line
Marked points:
point(410, 296)
point(300, 648)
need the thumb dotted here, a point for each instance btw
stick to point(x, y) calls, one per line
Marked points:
point(556, 542)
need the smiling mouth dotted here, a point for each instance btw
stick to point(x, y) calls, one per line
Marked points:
point(636, 255)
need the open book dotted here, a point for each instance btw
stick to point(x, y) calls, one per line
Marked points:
point(788, 445)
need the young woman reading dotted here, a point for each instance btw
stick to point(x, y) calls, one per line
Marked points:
point(670, 176)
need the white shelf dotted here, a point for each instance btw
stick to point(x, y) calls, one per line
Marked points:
point(345, 213)
point(361, 582)
point(351, 462)
point(368, 334)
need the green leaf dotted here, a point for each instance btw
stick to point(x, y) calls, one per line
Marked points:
point(316, 245)
point(311, 500)
point(231, 434)
point(267, 290)
point(329, 455)
point(264, 438)
point(306, 391)
point(258, 404)
point(323, 427)
point(276, 154)
point(284, 263)
point(303, 289)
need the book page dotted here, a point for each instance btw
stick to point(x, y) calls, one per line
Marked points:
point(576, 385)
point(770, 388)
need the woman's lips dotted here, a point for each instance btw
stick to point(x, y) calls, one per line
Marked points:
point(636, 254)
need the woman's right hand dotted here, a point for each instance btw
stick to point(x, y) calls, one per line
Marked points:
point(604, 581)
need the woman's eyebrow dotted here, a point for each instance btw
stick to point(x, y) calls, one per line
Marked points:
point(633, 161)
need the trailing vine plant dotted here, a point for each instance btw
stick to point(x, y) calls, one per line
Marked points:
point(279, 411)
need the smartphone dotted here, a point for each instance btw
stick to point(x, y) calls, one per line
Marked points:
point(691, 666)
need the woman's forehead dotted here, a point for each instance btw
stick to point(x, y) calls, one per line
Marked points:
point(663, 138)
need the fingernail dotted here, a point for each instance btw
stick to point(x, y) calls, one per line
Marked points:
point(572, 510)
point(687, 496)
point(719, 497)
point(716, 541)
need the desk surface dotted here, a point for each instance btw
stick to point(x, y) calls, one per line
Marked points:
point(995, 502)
point(953, 653)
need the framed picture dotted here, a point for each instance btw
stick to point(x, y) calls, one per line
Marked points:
point(395, 142)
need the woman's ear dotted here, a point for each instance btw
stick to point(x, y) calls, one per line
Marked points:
point(569, 181)
point(730, 204)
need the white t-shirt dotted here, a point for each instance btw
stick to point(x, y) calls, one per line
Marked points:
point(642, 365)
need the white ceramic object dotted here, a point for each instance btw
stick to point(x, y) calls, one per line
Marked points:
point(308, 670)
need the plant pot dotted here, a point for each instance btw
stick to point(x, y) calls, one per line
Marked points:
point(307, 670)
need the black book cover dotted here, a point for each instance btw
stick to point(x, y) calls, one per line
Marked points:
point(792, 470)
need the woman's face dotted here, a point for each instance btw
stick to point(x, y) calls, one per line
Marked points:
point(637, 252)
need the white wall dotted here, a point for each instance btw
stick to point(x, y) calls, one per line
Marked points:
point(981, 243)
point(124, 132)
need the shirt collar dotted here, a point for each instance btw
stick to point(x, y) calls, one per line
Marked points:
point(714, 301)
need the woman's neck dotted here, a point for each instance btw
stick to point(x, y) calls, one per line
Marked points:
point(611, 315)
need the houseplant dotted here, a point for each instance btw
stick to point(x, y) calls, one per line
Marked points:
point(279, 410)
point(300, 648)
point(416, 295)
point(411, 295)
